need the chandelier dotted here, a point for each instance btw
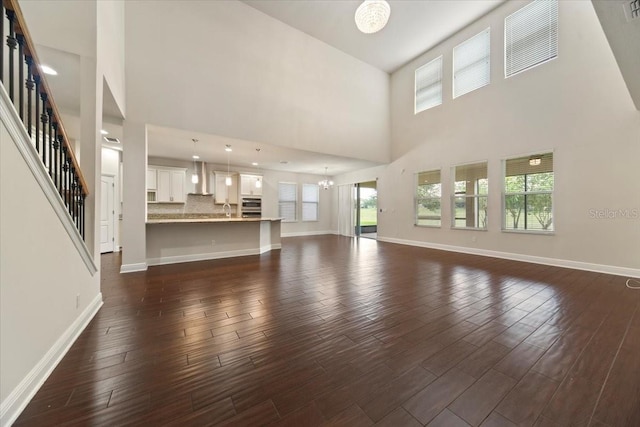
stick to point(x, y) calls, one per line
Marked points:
point(372, 15)
point(325, 183)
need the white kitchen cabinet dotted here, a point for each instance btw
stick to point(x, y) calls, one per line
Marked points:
point(226, 193)
point(249, 185)
point(152, 181)
point(170, 185)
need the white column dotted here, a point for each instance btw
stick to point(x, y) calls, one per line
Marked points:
point(134, 205)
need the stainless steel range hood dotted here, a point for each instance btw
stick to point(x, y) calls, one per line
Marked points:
point(202, 187)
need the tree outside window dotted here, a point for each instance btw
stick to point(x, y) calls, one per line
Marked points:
point(528, 193)
point(428, 199)
point(471, 189)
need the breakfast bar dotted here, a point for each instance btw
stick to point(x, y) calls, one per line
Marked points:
point(175, 240)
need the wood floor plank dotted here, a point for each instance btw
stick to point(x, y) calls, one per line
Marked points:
point(399, 417)
point(447, 418)
point(397, 392)
point(477, 402)
point(528, 398)
point(325, 332)
point(428, 403)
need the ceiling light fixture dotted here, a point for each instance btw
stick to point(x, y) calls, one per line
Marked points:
point(372, 16)
point(535, 161)
point(228, 181)
point(194, 175)
point(48, 70)
point(325, 183)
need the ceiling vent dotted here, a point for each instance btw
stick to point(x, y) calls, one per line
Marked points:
point(112, 140)
point(633, 11)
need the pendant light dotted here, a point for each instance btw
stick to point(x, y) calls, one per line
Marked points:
point(258, 181)
point(194, 175)
point(228, 181)
point(372, 16)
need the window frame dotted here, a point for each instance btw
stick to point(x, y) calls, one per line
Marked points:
point(303, 202)
point(417, 200)
point(295, 202)
point(476, 197)
point(525, 194)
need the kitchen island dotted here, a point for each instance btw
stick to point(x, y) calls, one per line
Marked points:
point(174, 240)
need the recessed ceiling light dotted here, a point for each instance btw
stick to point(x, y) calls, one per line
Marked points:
point(228, 148)
point(254, 163)
point(195, 157)
point(104, 132)
point(48, 70)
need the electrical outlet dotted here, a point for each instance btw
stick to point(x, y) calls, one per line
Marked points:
point(78, 301)
point(213, 243)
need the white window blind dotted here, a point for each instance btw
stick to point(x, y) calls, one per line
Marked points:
point(287, 201)
point(471, 64)
point(530, 36)
point(310, 200)
point(429, 85)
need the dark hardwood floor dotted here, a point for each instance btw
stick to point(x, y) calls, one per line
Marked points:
point(336, 331)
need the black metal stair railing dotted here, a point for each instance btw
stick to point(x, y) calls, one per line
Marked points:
point(24, 82)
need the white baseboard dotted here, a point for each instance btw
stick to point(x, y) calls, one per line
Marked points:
point(268, 248)
point(306, 233)
point(131, 268)
point(577, 265)
point(17, 400)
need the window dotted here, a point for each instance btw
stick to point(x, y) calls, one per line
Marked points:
point(429, 85)
point(469, 201)
point(530, 36)
point(528, 193)
point(287, 201)
point(310, 199)
point(471, 64)
point(428, 198)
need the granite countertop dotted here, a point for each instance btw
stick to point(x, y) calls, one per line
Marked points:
point(199, 218)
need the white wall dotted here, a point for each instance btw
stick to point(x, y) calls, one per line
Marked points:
point(41, 276)
point(110, 45)
point(576, 105)
point(224, 68)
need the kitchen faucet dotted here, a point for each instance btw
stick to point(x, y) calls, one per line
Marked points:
point(226, 208)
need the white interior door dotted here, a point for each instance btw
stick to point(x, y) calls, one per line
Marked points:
point(107, 214)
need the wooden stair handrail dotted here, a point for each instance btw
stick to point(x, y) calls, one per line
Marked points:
point(21, 28)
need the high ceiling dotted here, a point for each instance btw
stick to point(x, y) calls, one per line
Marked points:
point(414, 27)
